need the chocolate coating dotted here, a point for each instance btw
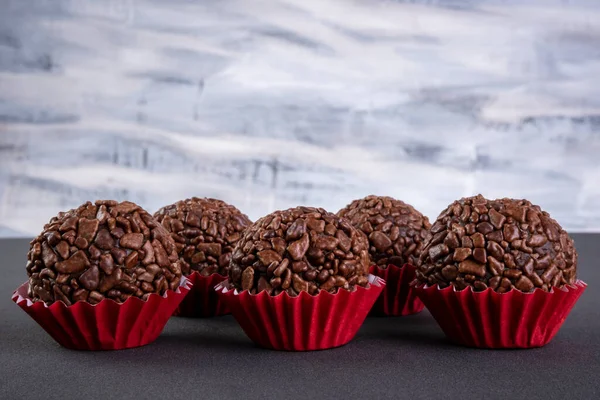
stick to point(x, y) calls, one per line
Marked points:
point(300, 249)
point(396, 231)
point(503, 244)
point(205, 232)
point(102, 250)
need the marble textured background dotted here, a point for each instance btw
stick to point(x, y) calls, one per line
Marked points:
point(269, 104)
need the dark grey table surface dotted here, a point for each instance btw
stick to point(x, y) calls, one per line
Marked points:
point(405, 357)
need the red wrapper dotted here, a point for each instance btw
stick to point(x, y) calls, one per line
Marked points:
point(398, 298)
point(107, 325)
point(494, 320)
point(304, 322)
point(202, 300)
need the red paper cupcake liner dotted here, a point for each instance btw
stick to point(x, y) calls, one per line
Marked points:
point(303, 322)
point(107, 325)
point(202, 301)
point(494, 320)
point(399, 297)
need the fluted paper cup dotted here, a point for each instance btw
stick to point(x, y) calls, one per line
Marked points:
point(202, 301)
point(303, 322)
point(398, 297)
point(494, 320)
point(107, 325)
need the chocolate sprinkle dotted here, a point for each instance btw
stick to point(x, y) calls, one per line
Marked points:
point(301, 249)
point(502, 244)
point(396, 231)
point(205, 232)
point(103, 250)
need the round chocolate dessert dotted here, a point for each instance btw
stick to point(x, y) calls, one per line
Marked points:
point(396, 231)
point(302, 249)
point(205, 232)
point(502, 244)
point(103, 250)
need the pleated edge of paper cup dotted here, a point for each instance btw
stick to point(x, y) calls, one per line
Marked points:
point(211, 276)
point(578, 285)
point(18, 297)
point(202, 288)
point(394, 266)
point(374, 280)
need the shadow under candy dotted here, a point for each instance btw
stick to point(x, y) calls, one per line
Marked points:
point(215, 333)
point(419, 329)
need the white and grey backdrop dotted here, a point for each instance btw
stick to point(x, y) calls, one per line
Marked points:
point(270, 104)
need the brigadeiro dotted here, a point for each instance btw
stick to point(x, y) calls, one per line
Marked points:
point(498, 273)
point(205, 232)
point(105, 275)
point(396, 232)
point(299, 280)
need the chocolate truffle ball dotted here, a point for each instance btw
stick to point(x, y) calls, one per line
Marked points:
point(103, 250)
point(301, 249)
point(502, 244)
point(396, 231)
point(205, 232)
